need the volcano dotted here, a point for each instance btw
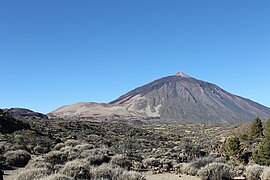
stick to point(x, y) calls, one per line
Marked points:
point(177, 98)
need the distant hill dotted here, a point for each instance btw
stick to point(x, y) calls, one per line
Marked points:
point(8, 124)
point(178, 98)
point(21, 113)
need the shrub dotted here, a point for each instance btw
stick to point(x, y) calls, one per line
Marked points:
point(76, 169)
point(216, 171)
point(261, 154)
point(108, 171)
point(17, 158)
point(131, 175)
point(253, 172)
point(150, 162)
point(266, 130)
point(231, 146)
point(193, 167)
point(256, 129)
point(32, 174)
point(83, 147)
point(40, 150)
point(58, 146)
point(38, 163)
point(72, 142)
point(56, 157)
point(188, 169)
point(98, 159)
point(57, 177)
point(266, 173)
point(121, 161)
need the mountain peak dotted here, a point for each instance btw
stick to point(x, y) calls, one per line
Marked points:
point(181, 74)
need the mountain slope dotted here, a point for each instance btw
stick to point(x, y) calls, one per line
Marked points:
point(178, 98)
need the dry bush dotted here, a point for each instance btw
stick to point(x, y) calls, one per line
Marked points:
point(74, 154)
point(36, 173)
point(108, 171)
point(266, 173)
point(38, 162)
point(57, 177)
point(254, 172)
point(58, 146)
point(17, 158)
point(150, 162)
point(188, 169)
point(76, 169)
point(193, 167)
point(121, 161)
point(83, 147)
point(56, 157)
point(40, 150)
point(131, 175)
point(98, 159)
point(72, 142)
point(216, 171)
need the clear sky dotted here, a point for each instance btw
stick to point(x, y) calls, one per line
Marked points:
point(58, 52)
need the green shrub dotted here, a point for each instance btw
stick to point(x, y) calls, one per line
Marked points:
point(255, 130)
point(17, 158)
point(262, 154)
point(231, 147)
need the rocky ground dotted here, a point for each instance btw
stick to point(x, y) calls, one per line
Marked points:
point(68, 149)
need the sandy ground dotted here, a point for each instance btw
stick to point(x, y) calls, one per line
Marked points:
point(169, 176)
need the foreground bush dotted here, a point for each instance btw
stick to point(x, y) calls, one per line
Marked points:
point(32, 174)
point(17, 158)
point(38, 163)
point(254, 172)
point(266, 173)
point(76, 169)
point(193, 167)
point(107, 171)
point(56, 157)
point(121, 161)
point(216, 171)
point(57, 177)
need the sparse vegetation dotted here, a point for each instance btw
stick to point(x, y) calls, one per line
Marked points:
point(64, 150)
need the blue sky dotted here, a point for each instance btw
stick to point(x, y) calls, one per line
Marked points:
point(58, 52)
